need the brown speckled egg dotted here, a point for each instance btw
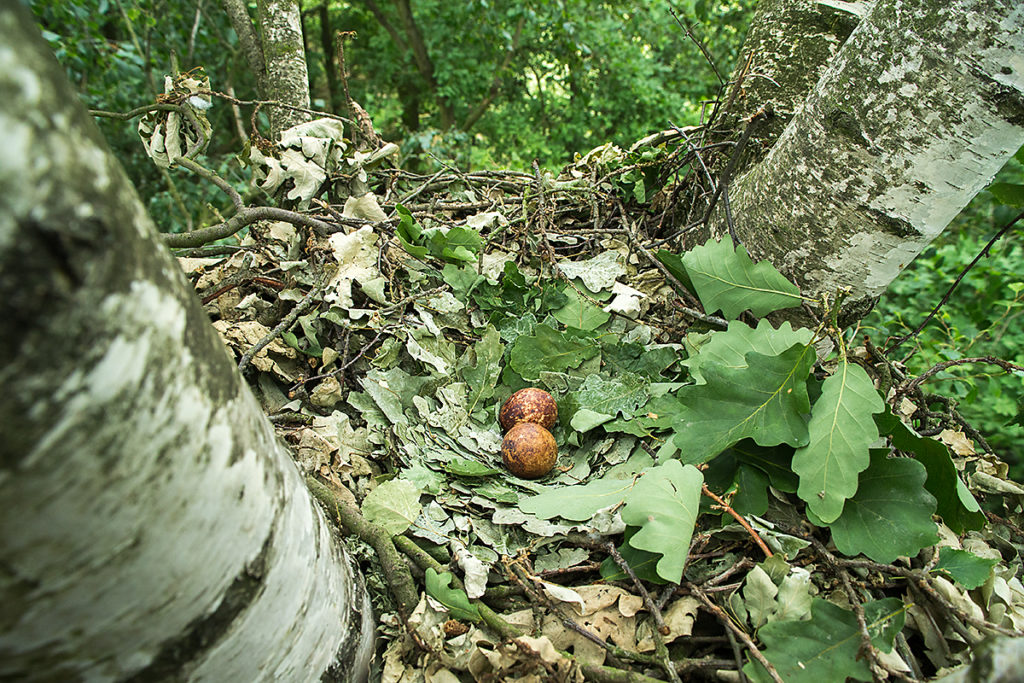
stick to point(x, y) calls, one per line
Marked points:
point(528, 405)
point(529, 450)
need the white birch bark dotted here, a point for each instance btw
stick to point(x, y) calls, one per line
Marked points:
point(152, 527)
point(919, 109)
point(284, 54)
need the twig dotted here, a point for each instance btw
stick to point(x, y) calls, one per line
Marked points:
point(522, 577)
point(660, 628)
point(911, 385)
point(737, 655)
point(922, 580)
point(734, 161)
point(949, 292)
point(279, 329)
point(203, 172)
point(347, 364)
point(132, 113)
point(699, 44)
point(243, 218)
point(739, 633)
point(738, 517)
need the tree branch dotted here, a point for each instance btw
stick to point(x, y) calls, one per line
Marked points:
point(422, 59)
point(485, 103)
point(251, 47)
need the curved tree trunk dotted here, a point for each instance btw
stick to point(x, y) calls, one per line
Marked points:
point(153, 528)
point(880, 158)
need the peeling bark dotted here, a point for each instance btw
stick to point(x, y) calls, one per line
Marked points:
point(919, 109)
point(153, 527)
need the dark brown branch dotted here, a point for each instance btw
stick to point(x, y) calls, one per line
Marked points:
point(949, 292)
point(482, 106)
point(238, 14)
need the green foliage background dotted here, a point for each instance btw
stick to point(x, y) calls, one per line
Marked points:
point(985, 317)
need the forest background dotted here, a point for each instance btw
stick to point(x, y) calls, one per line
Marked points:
point(497, 84)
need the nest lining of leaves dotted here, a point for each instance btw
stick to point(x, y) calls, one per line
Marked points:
point(690, 527)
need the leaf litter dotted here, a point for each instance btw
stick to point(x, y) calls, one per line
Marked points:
point(683, 437)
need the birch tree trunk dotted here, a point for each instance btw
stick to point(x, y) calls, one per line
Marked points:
point(915, 114)
point(788, 46)
point(153, 528)
point(276, 53)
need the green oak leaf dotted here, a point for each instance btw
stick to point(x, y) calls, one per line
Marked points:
point(483, 376)
point(581, 501)
point(730, 347)
point(648, 361)
point(463, 280)
point(409, 233)
point(624, 393)
point(825, 647)
point(726, 279)
point(776, 461)
point(664, 503)
point(891, 513)
point(956, 505)
point(455, 599)
point(766, 401)
point(394, 505)
point(841, 433)
point(548, 349)
point(580, 313)
point(456, 245)
point(462, 467)
point(751, 491)
point(966, 568)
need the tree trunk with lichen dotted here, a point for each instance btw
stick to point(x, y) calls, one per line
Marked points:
point(275, 51)
point(911, 118)
point(153, 526)
point(787, 48)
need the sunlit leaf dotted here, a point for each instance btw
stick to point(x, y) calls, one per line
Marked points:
point(766, 401)
point(730, 347)
point(841, 433)
point(664, 503)
point(726, 279)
